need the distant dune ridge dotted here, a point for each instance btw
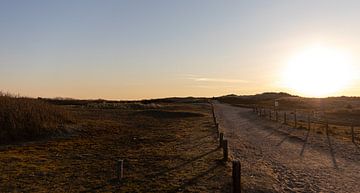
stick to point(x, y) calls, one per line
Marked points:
point(288, 101)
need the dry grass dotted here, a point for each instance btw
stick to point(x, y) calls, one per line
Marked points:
point(25, 118)
point(170, 148)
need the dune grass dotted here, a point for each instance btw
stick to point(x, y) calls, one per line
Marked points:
point(174, 153)
point(24, 118)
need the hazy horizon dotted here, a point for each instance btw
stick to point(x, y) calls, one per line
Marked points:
point(156, 49)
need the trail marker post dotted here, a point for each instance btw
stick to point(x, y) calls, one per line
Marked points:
point(276, 105)
point(120, 169)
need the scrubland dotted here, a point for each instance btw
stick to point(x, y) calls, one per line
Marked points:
point(166, 145)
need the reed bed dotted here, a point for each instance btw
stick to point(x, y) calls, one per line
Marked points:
point(24, 118)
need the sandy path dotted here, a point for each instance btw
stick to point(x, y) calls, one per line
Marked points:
point(278, 158)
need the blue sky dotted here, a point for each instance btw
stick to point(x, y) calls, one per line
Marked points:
point(148, 49)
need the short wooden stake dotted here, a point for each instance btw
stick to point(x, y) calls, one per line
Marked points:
point(221, 139)
point(225, 150)
point(284, 117)
point(120, 169)
point(327, 127)
point(236, 176)
point(352, 134)
point(270, 114)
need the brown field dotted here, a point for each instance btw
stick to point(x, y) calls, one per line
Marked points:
point(167, 146)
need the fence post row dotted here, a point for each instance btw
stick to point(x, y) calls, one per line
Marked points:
point(262, 112)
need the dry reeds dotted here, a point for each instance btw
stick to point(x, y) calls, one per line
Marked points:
point(26, 118)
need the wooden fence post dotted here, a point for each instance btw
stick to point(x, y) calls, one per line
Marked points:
point(221, 139)
point(120, 169)
point(327, 127)
point(225, 150)
point(270, 114)
point(214, 118)
point(236, 176)
point(352, 134)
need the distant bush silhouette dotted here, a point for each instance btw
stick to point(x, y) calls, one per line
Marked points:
point(26, 118)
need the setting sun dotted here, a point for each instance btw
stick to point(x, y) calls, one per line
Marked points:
point(318, 71)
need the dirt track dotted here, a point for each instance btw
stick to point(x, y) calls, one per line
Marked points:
point(278, 158)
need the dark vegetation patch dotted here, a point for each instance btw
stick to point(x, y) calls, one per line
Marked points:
point(162, 114)
point(24, 119)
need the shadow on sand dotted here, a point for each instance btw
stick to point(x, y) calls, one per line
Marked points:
point(332, 153)
point(181, 165)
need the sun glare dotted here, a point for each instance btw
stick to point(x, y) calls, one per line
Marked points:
point(318, 71)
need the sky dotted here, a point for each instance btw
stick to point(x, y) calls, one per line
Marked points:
point(139, 49)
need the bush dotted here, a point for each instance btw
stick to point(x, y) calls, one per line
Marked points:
point(26, 118)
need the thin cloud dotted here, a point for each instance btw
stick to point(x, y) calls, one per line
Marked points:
point(222, 80)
